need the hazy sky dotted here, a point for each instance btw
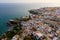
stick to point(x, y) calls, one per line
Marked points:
point(29, 1)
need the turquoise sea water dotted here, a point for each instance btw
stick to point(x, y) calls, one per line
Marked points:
point(17, 10)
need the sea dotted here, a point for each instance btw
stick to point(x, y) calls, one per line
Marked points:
point(16, 10)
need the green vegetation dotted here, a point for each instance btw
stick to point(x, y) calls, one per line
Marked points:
point(10, 34)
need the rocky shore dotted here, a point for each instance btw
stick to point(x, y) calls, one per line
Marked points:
point(41, 24)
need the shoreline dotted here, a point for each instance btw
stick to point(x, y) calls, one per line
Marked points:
point(41, 19)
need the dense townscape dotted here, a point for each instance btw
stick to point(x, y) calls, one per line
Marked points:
point(41, 24)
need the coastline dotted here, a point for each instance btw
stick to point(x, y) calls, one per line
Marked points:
point(46, 20)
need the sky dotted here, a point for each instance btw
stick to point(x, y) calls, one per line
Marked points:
point(29, 1)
